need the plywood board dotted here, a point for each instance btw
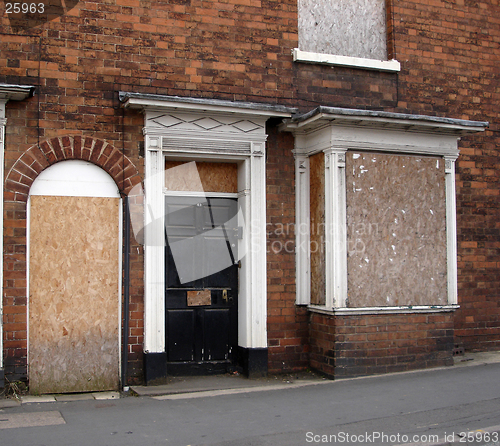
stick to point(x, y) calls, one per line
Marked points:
point(317, 205)
point(396, 230)
point(201, 176)
point(73, 301)
point(199, 297)
point(355, 28)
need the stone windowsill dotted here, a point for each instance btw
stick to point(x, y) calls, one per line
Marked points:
point(383, 310)
point(346, 61)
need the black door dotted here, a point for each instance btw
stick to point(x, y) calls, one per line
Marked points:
point(201, 270)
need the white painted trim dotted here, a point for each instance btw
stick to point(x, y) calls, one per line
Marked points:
point(173, 193)
point(366, 138)
point(74, 178)
point(15, 92)
point(451, 230)
point(207, 106)
point(257, 253)
point(345, 61)
point(154, 252)
point(384, 310)
point(335, 229)
point(302, 231)
point(228, 137)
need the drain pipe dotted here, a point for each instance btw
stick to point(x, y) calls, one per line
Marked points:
point(126, 291)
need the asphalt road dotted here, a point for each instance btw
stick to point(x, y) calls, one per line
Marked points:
point(391, 409)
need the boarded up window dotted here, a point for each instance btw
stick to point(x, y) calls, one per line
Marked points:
point(201, 176)
point(355, 28)
point(317, 203)
point(396, 230)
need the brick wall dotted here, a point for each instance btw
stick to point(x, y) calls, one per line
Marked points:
point(17, 182)
point(287, 325)
point(347, 346)
point(450, 57)
point(241, 50)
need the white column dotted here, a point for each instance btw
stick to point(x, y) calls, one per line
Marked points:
point(451, 229)
point(302, 234)
point(257, 253)
point(154, 246)
point(335, 229)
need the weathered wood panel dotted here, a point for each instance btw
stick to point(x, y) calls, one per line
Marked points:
point(199, 297)
point(317, 205)
point(214, 177)
point(73, 302)
point(396, 230)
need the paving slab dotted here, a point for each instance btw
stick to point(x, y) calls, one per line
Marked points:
point(477, 358)
point(106, 395)
point(9, 402)
point(32, 419)
point(74, 397)
point(37, 399)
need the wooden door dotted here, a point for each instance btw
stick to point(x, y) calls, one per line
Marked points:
point(201, 276)
point(74, 294)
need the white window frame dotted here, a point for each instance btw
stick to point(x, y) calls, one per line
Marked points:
point(333, 131)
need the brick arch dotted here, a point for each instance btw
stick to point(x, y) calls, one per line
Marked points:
point(37, 158)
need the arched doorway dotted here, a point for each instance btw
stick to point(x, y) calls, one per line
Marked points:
point(74, 279)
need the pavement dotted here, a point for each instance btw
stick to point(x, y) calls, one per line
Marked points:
point(230, 384)
point(190, 387)
point(460, 404)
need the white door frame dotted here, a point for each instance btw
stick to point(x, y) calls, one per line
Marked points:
point(199, 129)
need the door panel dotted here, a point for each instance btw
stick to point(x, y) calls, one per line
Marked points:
point(181, 344)
point(216, 322)
point(201, 259)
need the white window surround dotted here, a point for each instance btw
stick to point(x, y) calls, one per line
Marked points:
point(199, 129)
point(13, 93)
point(345, 61)
point(333, 131)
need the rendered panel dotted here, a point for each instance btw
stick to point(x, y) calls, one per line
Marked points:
point(215, 177)
point(317, 204)
point(396, 230)
point(355, 28)
point(73, 302)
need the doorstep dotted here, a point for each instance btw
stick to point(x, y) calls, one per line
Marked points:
point(227, 382)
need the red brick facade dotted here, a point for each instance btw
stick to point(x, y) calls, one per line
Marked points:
point(240, 50)
point(449, 54)
point(374, 344)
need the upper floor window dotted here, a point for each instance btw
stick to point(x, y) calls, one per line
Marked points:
point(355, 28)
point(344, 32)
